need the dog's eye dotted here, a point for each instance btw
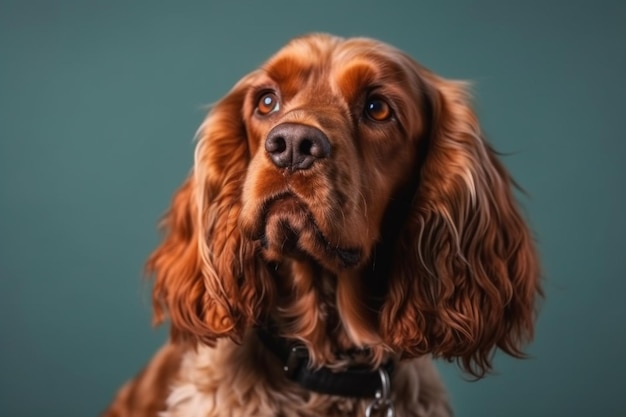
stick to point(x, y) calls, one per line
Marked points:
point(378, 110)
point(268, 103)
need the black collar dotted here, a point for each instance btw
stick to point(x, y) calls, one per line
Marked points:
point(355, 381)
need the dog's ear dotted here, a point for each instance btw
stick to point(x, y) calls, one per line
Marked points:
point(207, 279)
point(466, 274)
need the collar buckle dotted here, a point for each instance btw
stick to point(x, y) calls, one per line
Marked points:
point(296, 358)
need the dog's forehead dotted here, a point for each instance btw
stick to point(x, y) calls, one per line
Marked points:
point(347, 66)
point(303, 54)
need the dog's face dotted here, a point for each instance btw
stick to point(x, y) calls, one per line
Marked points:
point(347, 193)
point(332, 128)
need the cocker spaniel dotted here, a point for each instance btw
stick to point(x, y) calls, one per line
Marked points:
point(345, 222)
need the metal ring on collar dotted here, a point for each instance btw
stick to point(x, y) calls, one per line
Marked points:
point(383, 397)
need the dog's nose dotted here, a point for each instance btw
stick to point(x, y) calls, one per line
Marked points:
point(296, 146)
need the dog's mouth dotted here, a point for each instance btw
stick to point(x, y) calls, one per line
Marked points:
point(288, 230)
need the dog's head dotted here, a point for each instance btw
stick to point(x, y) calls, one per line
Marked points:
point(343, 173)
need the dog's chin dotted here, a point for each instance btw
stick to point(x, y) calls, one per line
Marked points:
point(290, 231)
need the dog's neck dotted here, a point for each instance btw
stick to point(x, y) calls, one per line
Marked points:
point(352, 380)
point(313, 339)
point(326, 313)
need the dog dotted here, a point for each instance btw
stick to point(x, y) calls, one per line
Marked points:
point(344, 223)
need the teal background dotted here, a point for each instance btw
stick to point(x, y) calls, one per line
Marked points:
point(99, 102)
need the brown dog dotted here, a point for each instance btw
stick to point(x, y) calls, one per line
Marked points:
point(344, 221)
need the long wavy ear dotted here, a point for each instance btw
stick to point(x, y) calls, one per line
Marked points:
point(207, 279)
point(466, 275)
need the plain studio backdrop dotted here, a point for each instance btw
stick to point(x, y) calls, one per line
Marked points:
point(99, 102)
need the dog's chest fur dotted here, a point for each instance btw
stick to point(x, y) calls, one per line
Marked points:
point(245, 380)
